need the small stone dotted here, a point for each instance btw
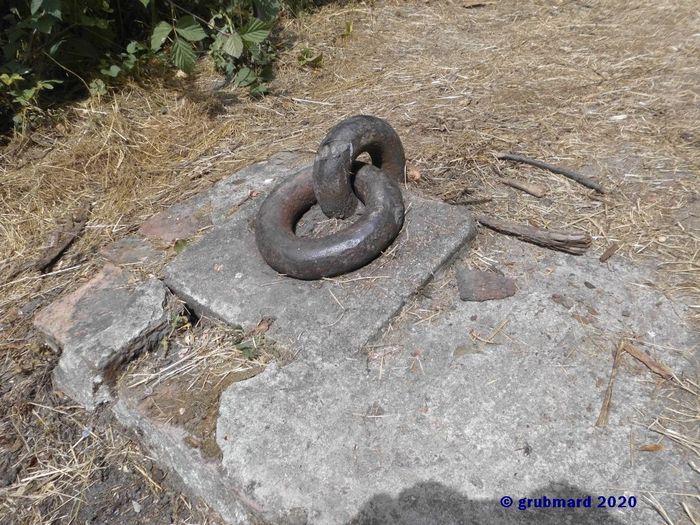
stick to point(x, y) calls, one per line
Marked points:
point(625, 313)
point(563, 300)
point(475, 285)
point(588, 285)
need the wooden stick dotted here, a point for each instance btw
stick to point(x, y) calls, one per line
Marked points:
point(609, 252)
point(63, 238)
point(578, 177)
point(651, 364)
point(574, 242)
point(605, 409)
point(533, 189)
point(481, 200)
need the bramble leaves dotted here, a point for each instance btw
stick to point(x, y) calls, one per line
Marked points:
point(184, 56)
point(160, 33)
point(256, 31)
point(233, 45)
point(92, 44)
point(189, 29)
point(245, 77)
point(266, 10)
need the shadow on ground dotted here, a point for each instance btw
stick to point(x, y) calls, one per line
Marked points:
point(431, 502)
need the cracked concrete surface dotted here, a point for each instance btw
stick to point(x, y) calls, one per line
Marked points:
point(404, 404)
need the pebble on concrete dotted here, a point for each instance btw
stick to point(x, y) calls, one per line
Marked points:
point(475, 285)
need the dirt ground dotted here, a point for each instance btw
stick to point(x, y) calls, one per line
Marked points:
point(607, 88)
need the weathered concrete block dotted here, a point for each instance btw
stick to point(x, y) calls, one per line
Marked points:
point(349, 431)
point(224, 276)
point(414, 407)
point(103, 324)
point(216, 205)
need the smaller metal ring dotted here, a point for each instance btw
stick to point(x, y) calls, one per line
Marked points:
point(342, 145)
point(347, 250)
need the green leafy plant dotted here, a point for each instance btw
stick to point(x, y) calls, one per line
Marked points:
point(62, 49)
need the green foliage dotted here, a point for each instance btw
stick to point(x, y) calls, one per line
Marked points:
point(62, 49)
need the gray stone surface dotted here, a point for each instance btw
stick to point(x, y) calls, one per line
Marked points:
point(216, 205)
point(406, 405)
point(224, 276)
point(131, 250)
point(512, 417)
point(103, 324)
point(198, 476)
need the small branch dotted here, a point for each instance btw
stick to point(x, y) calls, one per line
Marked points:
point(533, 189)
point(41, 276)
point(651, 364)
point(64, 237)
point(479, 200)
point(575, 243)
point(578, 177)
point(609, 252)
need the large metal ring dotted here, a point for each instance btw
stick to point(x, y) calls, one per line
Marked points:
point(338, 253)
point(332, 167)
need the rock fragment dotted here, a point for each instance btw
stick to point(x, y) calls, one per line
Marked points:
point(475, 285)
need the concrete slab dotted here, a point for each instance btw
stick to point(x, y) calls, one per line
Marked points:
point(132, 250)
point(406, 405)
point(224, 276)
point(503, 418)
point(105, 323)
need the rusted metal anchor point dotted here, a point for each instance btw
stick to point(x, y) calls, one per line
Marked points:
point(336, 183)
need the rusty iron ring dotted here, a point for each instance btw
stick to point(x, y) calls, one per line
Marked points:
point(347, 250)
point(333, 164)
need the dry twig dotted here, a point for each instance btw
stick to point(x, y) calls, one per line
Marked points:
point(609, 252)
point(62, 238)
point(605, 409)
point(651, 364)
point(575, 243)
point(578, 177)
point(533, 189)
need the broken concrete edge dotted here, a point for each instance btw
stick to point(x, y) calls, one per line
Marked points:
point(139, 252)
point(205, 477)
point(132, 414)
point(102, 326)
point(164, 234)
point(150, 339)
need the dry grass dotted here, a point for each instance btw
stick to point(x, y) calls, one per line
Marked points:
point(608, 90)
point(182, 383)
